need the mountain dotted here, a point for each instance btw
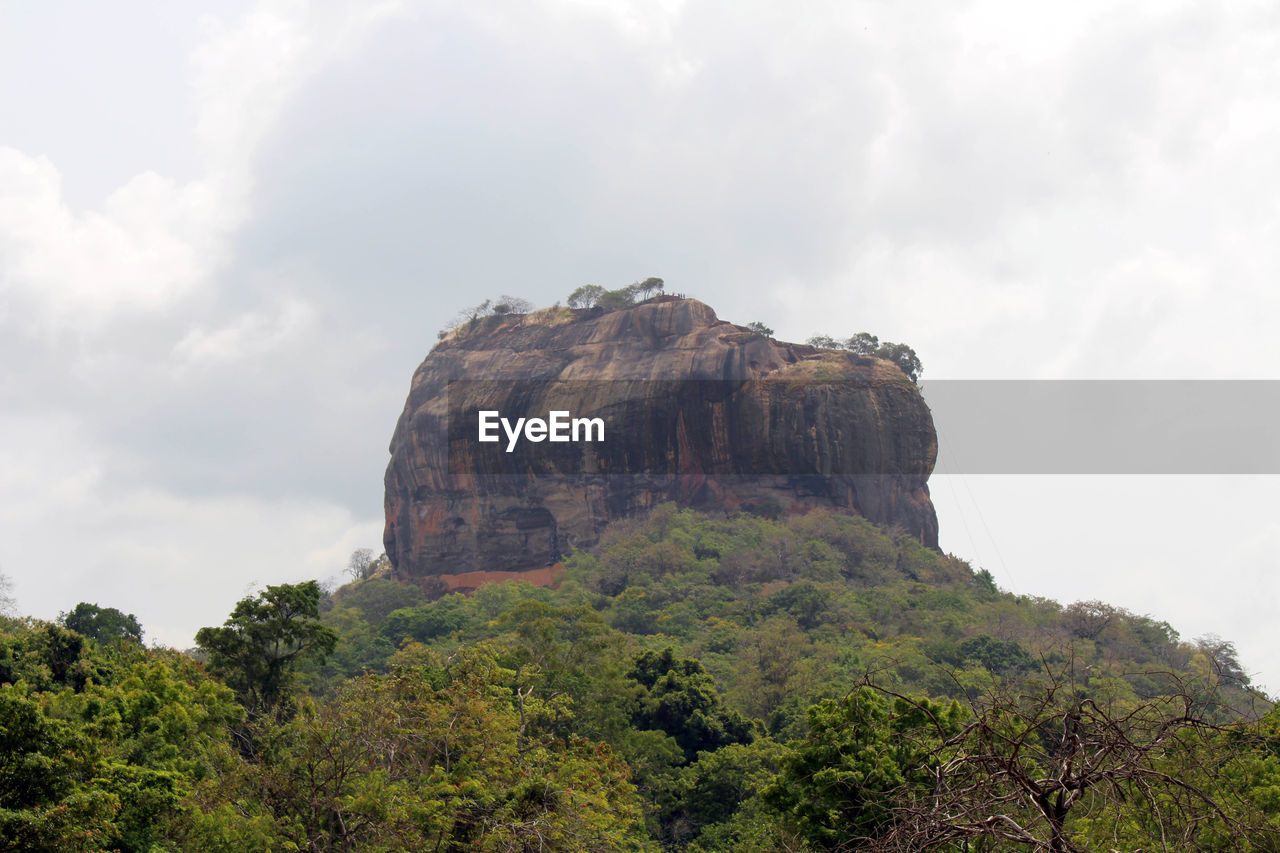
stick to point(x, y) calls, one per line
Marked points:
point(694, 410)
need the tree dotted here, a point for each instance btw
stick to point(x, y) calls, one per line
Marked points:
point(615, 300)
point(506, 304)
point(7, 606)
point(1044, 767)
point(586, 296)
point(104, 624)
point(823, 342)
point(903, 356)
point(863, 343)
point(648, 287)
point(840, 783)
point(359, 563)
point(377, 597)
point(681, 700)
point(1088, 619)
point(256, 649)
point(1222, 656)
point(760, 328)
point(996, 656)
point(718, 784)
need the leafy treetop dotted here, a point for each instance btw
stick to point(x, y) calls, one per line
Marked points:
point(104, 624)
point(865, 343)
point(255, 650)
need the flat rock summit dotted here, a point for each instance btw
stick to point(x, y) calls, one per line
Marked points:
point(696, 410)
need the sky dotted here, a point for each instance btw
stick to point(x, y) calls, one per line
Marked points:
point(229, 232)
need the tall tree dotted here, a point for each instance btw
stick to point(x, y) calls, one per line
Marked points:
point(649, 286)
point(586, 296)
point(256, 649)
point(104, 624)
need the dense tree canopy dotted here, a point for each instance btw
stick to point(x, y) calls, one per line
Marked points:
point(705, 683)
point(104, 624)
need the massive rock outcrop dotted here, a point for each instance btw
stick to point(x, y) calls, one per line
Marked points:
point(696, 410)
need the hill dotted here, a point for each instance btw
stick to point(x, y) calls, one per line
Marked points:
point(773, 618)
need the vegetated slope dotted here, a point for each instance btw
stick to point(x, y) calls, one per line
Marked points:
point(784, 611)
point(678, 629)
point(808, 682)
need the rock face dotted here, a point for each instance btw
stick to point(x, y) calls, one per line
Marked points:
point(695, 410)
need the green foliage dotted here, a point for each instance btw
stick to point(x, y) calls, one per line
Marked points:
point(616, 300)
point(863, 343)
point(47, 797)
point(904, 357)
point(433, 756)
point(586, 296)
point(360, 646)
point(760, 328)
point(105, 762)
point(681, 699)
point(377, 597)
point(257, 648)
point(996, 655)
point(712, 789)
point(104, 624)
point(428, 621)
point(47, 657)
point(648, 287)
point(838, 784)
point(595, 296)
point(695, 681)
point(867, 344)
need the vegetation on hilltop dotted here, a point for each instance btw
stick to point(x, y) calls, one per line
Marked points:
point(593, 296)
point(865, 343)
point(810, 682)
point(583, 298)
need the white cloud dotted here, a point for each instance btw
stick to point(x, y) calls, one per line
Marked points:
point(156, 241)
point(150, 245)
point(251, 336)
point(70, 534)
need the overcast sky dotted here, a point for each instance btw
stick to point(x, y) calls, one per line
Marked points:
point(229, 234)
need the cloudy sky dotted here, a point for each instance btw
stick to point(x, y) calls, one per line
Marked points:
point(229, 234)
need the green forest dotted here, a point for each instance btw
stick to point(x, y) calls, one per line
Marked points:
point(694, 682)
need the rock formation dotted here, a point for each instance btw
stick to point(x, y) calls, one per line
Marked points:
point(696, 410)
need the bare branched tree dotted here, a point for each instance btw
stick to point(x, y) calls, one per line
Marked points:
point(359, 563)
point(1138, 777)
point(7, 605)
point(507, 304)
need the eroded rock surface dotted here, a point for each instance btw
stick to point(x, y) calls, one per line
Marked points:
point(699, 411)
